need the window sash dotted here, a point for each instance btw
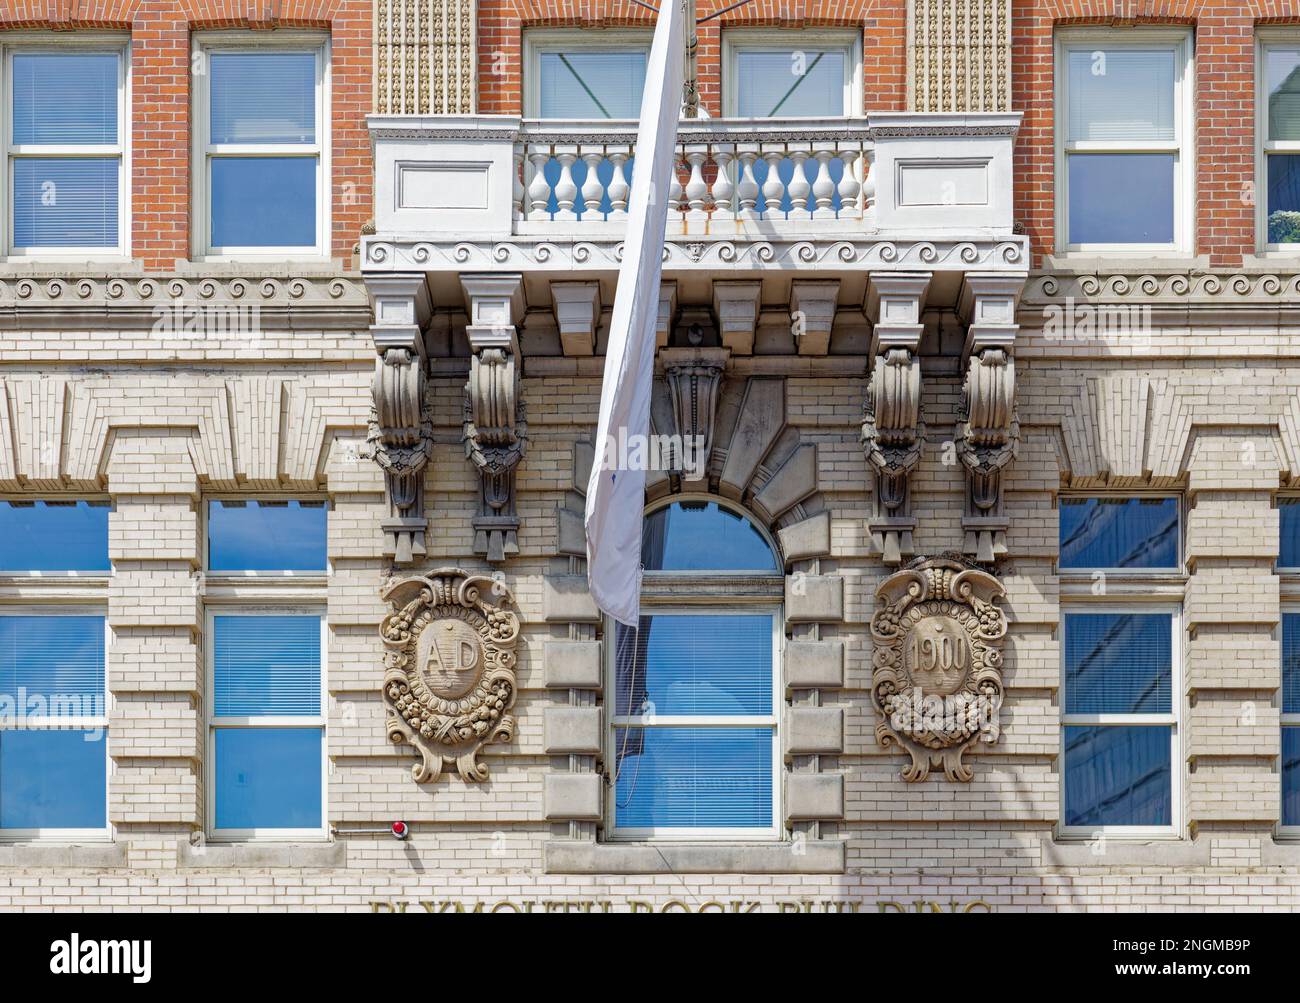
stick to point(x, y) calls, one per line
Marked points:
point(787, 40)
point(570, 40)
point(245, 573)
point(1179, 147)
point(316, 722)
point(207, 151)
point(72, 722)
point(1170, 720)
point(1175, 569)
point(1287, 40)
point(619, 724)
point(118, 151)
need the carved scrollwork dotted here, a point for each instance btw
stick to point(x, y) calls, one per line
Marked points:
point(893, 435)
point(449, 669)
point(400, 440)
point(988, 435)
point(694, 380)
point(496, 438)
point(936, 680)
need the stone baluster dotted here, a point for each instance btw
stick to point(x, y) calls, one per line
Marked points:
point(723, 188)
point(850, 188)
point(539, 189)
point(697, 192)
point(518, 190)
point(593, 191)
point(676, 195)
point(823, 188)
point(566, 192)
point(799, 188)
point(747, 186)
point(773, 187)
point(618, 186)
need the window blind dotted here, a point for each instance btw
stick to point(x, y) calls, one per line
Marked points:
point(57, 659)
point(695, 777)
point(1282, 84)
point(262, 97)
point(1291, 663)
point(1122, 95)
point(790, 83)
point(65, 201)
point(266, 666)
point(65, 98)
point(1118, 663)
point(717, 664)
point(588, 84)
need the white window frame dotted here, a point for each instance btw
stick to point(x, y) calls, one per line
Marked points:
point(94, 835)
point(208, 44)
point(1285, 720)
point(1266, 39)
point(701, 605)
point(19, 43)
point(215, 722)
point(1171, 720)
point(1178, 572)
point(1182, 146)
point(537, 42)
point(737, 40)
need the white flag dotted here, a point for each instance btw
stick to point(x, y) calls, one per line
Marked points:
point(615, 497)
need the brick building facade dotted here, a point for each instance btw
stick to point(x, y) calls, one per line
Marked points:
point(923, 362)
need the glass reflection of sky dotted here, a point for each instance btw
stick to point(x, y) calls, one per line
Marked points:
point(703, 536)
point(1119, 533)
point(53, 779)
point(44, 537)
point(1117, 776)
point(266, 536)
point(268, 778)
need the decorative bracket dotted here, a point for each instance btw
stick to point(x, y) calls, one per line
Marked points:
point(988, 432)
point(936, 679)
point(400, 436)
point(449, 669)
point(496, 430)
point(694, 378)
point(893, 432)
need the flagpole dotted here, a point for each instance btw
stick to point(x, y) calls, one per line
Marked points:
point(690, 88)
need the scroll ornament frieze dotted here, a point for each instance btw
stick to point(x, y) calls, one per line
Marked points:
point(449, 669)
point(936, 680)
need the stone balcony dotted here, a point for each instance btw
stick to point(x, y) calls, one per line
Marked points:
point(752, 199)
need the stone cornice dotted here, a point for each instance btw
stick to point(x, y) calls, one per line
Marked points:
point(98, 298)
point(604, 253)
point(1189, 288)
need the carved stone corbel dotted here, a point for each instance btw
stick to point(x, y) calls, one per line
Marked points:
point(936, 677)
point(988, 432)
point(400, 435)
point(893, 432)
point(495, 430)
point(694, 379)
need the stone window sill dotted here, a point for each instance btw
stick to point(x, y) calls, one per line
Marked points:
point(580, 857)
point(1121, 852)
point(239, 855)
point(45, 855)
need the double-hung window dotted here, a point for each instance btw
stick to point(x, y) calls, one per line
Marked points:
point(267, 694)
point(585, 75)
point(1288, 566)
point(1278, 151)
point(791, 74)
point(54, 761)
point(262, 148)
point(66, 141)
point(693, 689)
point(1124, 142)
point(1120, 653)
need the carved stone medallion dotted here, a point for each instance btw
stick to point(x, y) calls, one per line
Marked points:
point(936, 680)
point(449, 680)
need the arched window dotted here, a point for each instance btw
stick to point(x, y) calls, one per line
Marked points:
point(693, 688)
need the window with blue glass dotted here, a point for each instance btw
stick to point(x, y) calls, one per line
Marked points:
point(1122, 131)
point(1118, 534)
point(40, 537)
point(267, 741)
point(270, 536)
point(693, 688)
point(1279, 136)
point(1291, 721)
point(66, 150)
point(53, 724)
point(1119, 720)
point(263, 150)
point(1288, 555)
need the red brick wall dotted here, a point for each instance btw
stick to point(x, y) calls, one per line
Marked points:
point(883, 24)
point(160, 113)
point(1225, 115)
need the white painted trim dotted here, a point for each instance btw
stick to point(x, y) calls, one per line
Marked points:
point(849, 41)
point(1172, 720)
point(114, 42)
point(775, 832)
point(315, 722)
point(99, 721)
point(1285, 720)
point(1184, 147)
point(1275, 38)
point(537, 41)
point(204, 45)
